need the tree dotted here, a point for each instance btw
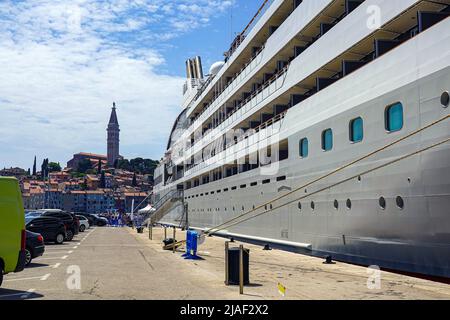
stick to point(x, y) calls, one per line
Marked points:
point(102, 181)
point(134, 182)
point(34, 166)
point(138, 165)
point(29, 172)
point(99, 167)
point(84, 165)
point(44, 169)
point(84, 185)
point(54, 167)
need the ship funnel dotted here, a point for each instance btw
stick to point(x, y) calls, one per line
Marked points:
point(194, 68)
point(198, 65)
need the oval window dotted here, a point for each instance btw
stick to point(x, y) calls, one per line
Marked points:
point(400, 202)
point(382, 203)
point(349, 204)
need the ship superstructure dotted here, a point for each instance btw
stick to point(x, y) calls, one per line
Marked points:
point(324, 130)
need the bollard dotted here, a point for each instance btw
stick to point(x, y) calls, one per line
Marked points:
point(241, 269)
point(227, 245)
point(150, 231)
point(165, 232)
point(174, 241)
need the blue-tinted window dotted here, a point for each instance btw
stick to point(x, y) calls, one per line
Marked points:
point(327, 140)
point(357, 130)
point(304, 148)
point(394, 117)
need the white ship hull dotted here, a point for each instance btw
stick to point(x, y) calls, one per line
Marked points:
point(396, 217)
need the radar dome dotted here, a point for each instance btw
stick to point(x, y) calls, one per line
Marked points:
point(215, 68)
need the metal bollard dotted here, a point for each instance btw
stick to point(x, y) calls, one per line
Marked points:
point(227, 246)
point(173, 249)
point(165, 232)
point(241, 269)
point(150, 231)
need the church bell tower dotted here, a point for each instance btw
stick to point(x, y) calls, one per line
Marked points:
point(113, 137)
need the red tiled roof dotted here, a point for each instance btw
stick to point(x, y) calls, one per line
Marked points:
point(92, 155)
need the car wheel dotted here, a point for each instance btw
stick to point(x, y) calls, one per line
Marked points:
point(28, 257)
point(1, 274)
point(69, 235)
point(59, 238)
point(82, 228)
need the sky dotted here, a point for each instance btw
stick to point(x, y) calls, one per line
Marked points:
point(64, 62)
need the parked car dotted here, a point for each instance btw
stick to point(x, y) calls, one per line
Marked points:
point(100, 221)
point(70, 220)
point(12, 228)
point(84, 223)
point(88, 216)
point(35, 246)
point(52, 229)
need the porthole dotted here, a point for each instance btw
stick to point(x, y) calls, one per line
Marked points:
point(382, 203)
point(271, 206)
point(445, 99)
point(299, 206)
point(253, 207)
point(243, 208)
point(336, 204)
point(313, 205)
point(400, 202)
point(349, 204)
point(265, 207)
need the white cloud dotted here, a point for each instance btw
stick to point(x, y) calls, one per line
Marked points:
point(64, 62)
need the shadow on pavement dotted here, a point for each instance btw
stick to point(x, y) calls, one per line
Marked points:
point(33, 265)
point(10, 294)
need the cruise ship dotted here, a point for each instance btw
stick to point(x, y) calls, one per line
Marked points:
point(325, 131)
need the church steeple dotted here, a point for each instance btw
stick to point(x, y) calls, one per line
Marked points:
point(113, 137)
point(113, 117)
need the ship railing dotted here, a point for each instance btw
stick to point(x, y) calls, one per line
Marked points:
point(241, 38)
point(267, 89)
point(266, 130)
point(172, 196)
point(236, 80)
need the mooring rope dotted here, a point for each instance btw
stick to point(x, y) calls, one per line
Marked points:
point(227, 223)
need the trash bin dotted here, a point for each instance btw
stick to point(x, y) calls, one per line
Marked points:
point(233, 266)
point(168, 241)
point(140, 229)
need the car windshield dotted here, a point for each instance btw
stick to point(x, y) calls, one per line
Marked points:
point(33, 214)
point(28, 219)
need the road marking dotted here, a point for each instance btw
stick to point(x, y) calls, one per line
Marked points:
point(58, 252)
point(56, 266)
point(69, 252)
point(45, 277)
point(30, 278)
point(29, 293)
point(51, 258)
point(75, 247)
